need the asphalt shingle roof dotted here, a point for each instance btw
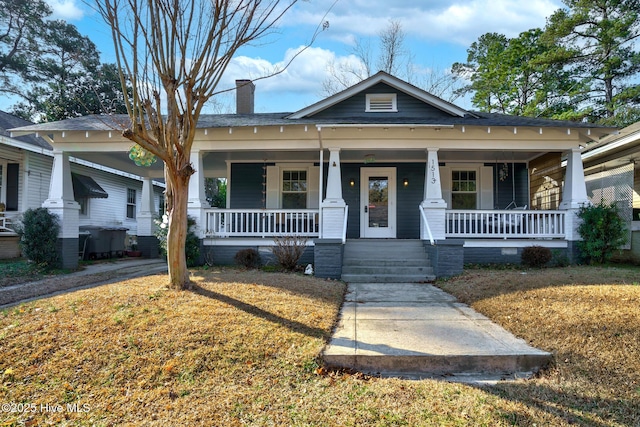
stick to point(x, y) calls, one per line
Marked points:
point(9, 121)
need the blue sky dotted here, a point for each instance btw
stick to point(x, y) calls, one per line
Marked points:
point(438, 34)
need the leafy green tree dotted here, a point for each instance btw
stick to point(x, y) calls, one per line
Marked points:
point(596, 44)
point(67, 79)
point(507, 76)
point(21, 22)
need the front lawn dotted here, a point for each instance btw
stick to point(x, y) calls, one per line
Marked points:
point(242, 350)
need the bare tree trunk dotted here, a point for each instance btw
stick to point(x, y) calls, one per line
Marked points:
point(176, 236)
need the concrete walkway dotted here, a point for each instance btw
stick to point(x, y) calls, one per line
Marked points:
point(90, 275)
point(419, 331)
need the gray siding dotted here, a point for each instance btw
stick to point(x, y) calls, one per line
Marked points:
point(503, 190)
point(408, 198)
point(408, 106)
point(246, 186)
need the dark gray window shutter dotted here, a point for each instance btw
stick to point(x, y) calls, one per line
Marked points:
point(13, 174)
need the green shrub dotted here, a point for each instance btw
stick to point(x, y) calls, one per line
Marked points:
point(192, 243)
point(535, 256)
point(249, 258)
point(38, 230)
point(602, 231)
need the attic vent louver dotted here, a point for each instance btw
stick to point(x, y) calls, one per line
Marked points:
point(381, 103)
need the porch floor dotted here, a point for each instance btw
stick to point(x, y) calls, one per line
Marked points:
point(418, 331)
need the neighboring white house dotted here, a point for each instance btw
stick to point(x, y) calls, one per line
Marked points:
point(612, 174)
point(382, 159)
point(106, 197)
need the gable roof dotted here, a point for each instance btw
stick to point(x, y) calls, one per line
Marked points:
point(9, 121)
point(394, 82)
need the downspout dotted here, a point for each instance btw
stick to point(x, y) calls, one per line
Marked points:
point(319, 128)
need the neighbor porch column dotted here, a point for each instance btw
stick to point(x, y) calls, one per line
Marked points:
point(147, 241)
point(433, 205)
point(333, 206)
point(574, 194)
point(61, 202)
point(197, 198)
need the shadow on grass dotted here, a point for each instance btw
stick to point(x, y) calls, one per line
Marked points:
point(293, 325)
point(573, 408)
point(479, 284)
point(295, 283)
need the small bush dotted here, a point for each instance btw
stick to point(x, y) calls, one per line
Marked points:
point(249, 258)
point(602, 231)
point(38, 231)
point(288, 250)
point(535, 256)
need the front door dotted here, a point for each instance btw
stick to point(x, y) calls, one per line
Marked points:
point(378, 210)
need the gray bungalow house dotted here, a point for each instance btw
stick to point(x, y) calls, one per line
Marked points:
point(382, 161)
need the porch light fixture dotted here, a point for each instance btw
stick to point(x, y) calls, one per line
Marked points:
point(405, 182)
point(352, 182)
point(370, 158)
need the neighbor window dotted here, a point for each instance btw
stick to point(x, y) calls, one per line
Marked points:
point(381, 103)
point(84, 205)
point(131, 203)
point(464, 193)
point(294, 189)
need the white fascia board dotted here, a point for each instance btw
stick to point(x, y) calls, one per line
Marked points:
point(627, 139)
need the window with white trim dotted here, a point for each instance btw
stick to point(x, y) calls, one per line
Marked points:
point(294, 189)
point(84, 205)
point(464, 189)
point(381, 103)
point(131, 203)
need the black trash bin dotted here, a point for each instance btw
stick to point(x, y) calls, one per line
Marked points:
point(105, 242)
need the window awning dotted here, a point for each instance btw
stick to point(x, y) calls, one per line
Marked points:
point(84, 187)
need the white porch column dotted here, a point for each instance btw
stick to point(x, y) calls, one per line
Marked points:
point(433, 204)
point(61, 202)
point(333, 206)
point(574, 194)
point(147, 241)
point(197, 198)
point(147, 209)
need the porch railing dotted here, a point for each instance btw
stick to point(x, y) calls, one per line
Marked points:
point(505, 224)
point(261, 222)
point(5, 224)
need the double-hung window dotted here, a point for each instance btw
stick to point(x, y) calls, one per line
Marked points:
point(131, 203)
point(464, 189)
point(294, 189)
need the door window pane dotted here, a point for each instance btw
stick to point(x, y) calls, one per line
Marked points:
point(378, 202)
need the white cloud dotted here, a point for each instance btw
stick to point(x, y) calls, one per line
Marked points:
point(67, 10)
point(459, 21)
point(300, 83)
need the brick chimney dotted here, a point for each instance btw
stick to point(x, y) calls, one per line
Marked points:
point(245, 90)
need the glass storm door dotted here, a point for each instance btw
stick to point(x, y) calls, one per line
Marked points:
point(378, 195)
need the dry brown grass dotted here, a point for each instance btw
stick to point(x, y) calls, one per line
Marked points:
point(242, 350)
point(588, 317)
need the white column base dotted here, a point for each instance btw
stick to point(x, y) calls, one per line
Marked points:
point(68, 212)
point(332, 219)
point(436, 217)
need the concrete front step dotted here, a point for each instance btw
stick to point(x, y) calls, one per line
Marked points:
point(388, 269)
point(381, 260)
point(387, 278)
